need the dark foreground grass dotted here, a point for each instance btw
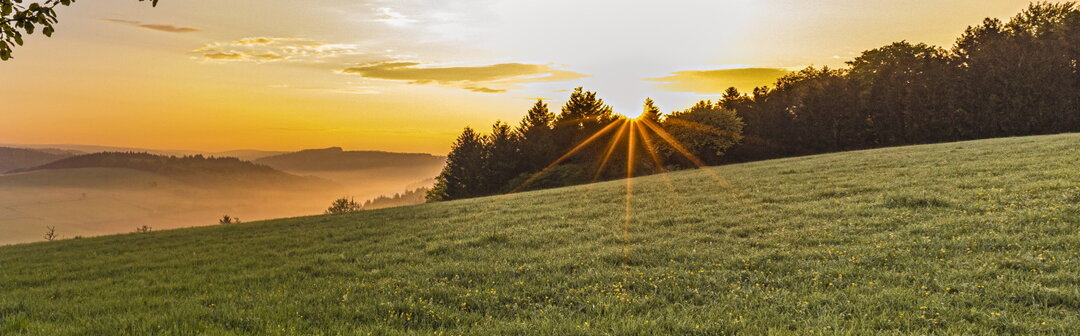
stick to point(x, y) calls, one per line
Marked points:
point(962, 238)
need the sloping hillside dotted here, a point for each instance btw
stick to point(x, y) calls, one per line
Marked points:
point(959, 238)
point(362, 174)
point(248, 154)
point(17, 158)
point(336, 159)
point(109, 193)
point(195, 169)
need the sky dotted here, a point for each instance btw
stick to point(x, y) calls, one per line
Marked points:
point(407, 76)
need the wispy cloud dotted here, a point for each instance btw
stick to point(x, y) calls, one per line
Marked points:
point(352, 91)
point(152, 26)
point(491, 78)
point(270, 49)
point(473, 78)
point(224, 56)
point(482, 89)
point(716, 81)
point(391, 17)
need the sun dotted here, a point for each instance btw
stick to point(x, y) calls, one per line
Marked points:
point(631, 114)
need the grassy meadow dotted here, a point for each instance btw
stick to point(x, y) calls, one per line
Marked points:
point(978, 237)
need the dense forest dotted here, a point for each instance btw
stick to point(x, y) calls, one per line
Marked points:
point(585, 142)
point(999, 79)
point(1020, 77)
point(409, 197)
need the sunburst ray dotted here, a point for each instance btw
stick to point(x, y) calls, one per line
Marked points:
point(568, 154)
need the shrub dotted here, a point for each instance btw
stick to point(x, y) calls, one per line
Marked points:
point(558, 176)
point(50, 233)
point(226, 219)
point(343, 205)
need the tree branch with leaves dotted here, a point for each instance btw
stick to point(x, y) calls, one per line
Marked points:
point(19, 17)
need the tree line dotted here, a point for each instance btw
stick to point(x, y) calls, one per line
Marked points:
point(585, 142)
point(1020, 77)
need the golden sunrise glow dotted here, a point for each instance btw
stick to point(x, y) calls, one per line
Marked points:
point(628, 132)
point(407, 76)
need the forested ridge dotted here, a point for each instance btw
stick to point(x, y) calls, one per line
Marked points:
point(1012, 78)
point(999, 79)
point(196, 169)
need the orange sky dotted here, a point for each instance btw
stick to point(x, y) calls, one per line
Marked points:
point(408, 75)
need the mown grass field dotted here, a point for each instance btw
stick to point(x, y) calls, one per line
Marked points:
point(962, 238)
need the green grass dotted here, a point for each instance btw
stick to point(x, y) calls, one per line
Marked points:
point(976, 237)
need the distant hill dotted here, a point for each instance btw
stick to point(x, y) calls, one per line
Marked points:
point(248, 154)
point(18, 158)
point(337, 159)
point(195, 169)
point(73, 149)
point(86, 178)
point(79, 149)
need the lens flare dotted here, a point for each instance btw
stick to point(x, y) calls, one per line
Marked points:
point(611, 147)
point(629, 132)
point(568, 154)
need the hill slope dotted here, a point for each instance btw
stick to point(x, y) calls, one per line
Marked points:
point(109, 193)
point(198, 170)
point(336, 159)
point(362, 174)
point(965, 238)
point(17, 158)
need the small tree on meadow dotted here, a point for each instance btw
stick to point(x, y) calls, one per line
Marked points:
point(229, 220)
point(50, 233)
point(343, 205)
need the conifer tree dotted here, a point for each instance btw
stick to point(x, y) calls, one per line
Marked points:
point(502, 155)
point(582, 116)
point(537, 138)
point(462, 177)
point(650, 112)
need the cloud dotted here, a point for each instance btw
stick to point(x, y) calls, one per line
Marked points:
point(392, 17)
point(271, 49)
point(159, 27)
point(224, 56)
point(353, 91)
point(256, 40)
point(268, 56)
point(716, 81)
point(493, 78)
point(482, 89)
point(466, 77)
